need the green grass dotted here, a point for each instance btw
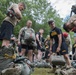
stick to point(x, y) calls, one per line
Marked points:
point(42, 71)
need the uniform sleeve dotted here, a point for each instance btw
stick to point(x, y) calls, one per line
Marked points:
point(13, 6)
point(20, 32)
point(50, 36)
point(58, 31)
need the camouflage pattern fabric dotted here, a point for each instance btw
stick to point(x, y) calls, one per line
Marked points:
point(4, 61)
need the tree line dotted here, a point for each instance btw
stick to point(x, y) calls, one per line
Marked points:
point(39, 11)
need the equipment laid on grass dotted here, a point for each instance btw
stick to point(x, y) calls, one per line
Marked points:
point(69, 71)
point(57, 60)
point(74, 63)
point(4, 60)
point(42, 64)
point(18, 67)
point(65, 71)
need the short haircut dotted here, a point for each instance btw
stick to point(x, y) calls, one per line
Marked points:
point(29, 21)
point(50, 22)
point(23, 5)
point(65, 27)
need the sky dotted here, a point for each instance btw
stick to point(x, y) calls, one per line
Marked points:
point(63, 7)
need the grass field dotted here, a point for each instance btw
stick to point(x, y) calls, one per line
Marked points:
point(42, 71)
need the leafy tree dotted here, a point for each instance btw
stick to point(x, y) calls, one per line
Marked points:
point(39, 11)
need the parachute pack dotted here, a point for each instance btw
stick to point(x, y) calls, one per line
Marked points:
point(28, 35)
point(10, 13)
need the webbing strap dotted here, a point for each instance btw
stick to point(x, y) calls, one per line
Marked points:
point(8, 56)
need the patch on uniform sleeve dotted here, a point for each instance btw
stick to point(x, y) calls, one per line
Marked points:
point(75, 45)
point(64, 51)
point(53, 33)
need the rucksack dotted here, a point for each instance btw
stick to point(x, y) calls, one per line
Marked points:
point(68, 71)
point(10, 13)
point(67, 41)
point(73, 63)
point(28, 35)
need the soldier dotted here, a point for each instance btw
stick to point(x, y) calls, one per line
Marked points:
point(59, 45)
point(10, 21)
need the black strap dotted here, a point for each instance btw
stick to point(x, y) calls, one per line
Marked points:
point(58, 53)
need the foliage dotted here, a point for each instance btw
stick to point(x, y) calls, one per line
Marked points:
point(2, 17)
point(39, 11)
